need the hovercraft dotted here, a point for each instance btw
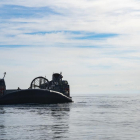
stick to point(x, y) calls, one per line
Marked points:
point(41, 91)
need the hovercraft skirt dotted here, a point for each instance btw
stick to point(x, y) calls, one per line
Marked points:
point(38, 96)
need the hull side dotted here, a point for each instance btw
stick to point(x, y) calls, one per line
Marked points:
point(34, 96)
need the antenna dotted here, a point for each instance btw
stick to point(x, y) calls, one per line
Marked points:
point(4, 75)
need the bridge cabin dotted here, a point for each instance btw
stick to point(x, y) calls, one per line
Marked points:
point(57, 84)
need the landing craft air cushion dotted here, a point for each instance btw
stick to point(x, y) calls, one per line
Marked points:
point(41, 91)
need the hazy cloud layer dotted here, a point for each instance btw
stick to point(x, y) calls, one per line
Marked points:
point(94, 43)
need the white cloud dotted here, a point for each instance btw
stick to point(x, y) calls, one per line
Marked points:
point(110, 66)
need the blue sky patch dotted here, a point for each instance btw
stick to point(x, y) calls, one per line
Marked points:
point(12, 46)
point(94, 36)
point(54, 32)
point(80, 35)
point(14, 11)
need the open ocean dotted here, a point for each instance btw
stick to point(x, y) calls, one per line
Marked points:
point(89, 117)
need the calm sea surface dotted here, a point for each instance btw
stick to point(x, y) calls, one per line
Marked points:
point(90, 117)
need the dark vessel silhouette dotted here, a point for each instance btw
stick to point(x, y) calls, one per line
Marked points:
point(41, 91)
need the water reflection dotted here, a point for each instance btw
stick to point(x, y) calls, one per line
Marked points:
point(35, 121)
point(60, 116)
point(2, 132)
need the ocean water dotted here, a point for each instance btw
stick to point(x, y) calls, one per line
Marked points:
point(89, 117)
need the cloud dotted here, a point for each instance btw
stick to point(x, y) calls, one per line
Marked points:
point(80, 66)
point(94, 43)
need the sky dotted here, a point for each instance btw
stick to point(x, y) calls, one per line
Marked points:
point(94, 43)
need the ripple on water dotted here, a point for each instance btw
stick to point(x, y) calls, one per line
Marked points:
point(99, 117)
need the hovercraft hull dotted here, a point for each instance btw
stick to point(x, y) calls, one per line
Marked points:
point(37, 96)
